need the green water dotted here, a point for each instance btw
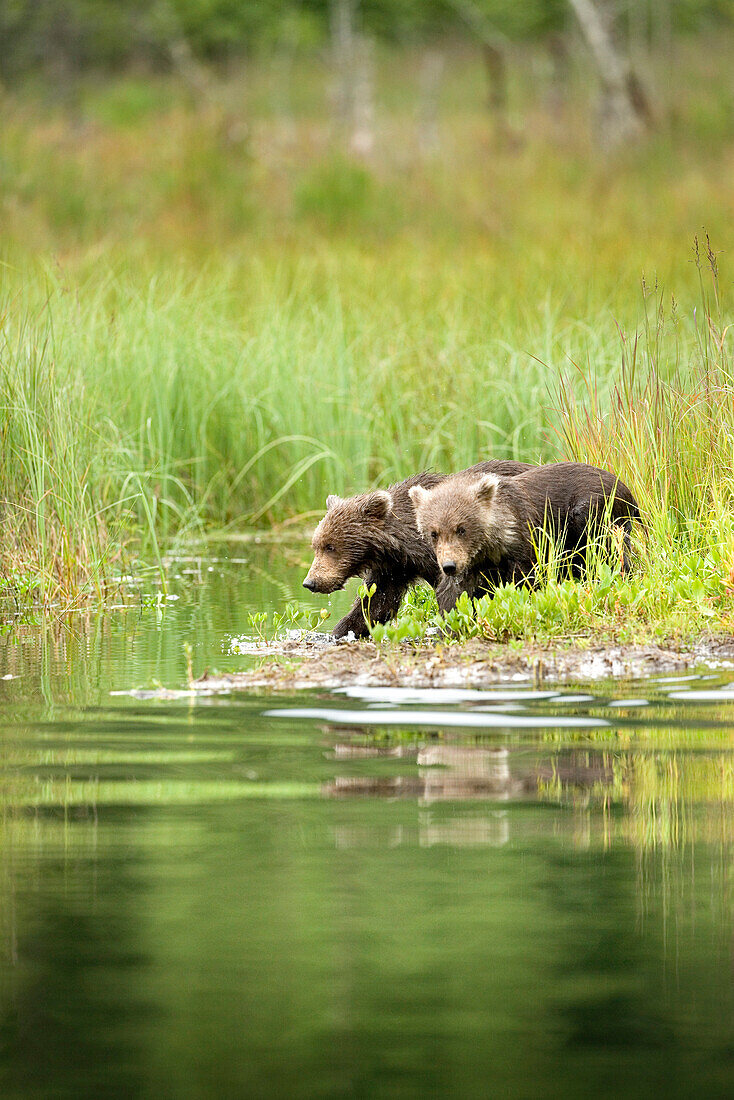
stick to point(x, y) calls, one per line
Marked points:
point(371, 894)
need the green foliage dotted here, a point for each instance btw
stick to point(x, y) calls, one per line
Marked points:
point(127, 103)
point(69, 35)
point(527, 20)
point(365, 594)
point(418, 614)
point(97, 33)
point(667, 594)
point(339, 195)
point(665, 425)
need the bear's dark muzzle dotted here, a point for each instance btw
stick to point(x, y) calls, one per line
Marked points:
point(449, 568)
point(323, 587)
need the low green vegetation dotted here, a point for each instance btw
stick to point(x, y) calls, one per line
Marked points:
point(680, 596)
point(267, 626)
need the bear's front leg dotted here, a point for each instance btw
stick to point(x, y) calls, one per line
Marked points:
point(448, 591)
point(353, 621)
point(383, 606)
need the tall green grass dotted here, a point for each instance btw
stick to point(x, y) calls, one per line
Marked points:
point(147, 405)
point(666, 424)
point(56, 529)
point(244, 395)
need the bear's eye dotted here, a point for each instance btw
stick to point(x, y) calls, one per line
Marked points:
point(434, 535)
point(461, 530)
point(329, 548)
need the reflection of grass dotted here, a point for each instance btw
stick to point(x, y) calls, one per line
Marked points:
point(655, 799)
point(233, 326)
point(646, 794)
point(95, 794)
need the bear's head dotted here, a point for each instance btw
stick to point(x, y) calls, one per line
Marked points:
point(455, 518)
point(345, 541)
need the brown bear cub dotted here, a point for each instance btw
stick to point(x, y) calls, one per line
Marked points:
point(484, 528)
point(375, 536)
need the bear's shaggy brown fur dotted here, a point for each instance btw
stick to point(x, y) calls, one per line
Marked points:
point(374, 536)
point(484, 528)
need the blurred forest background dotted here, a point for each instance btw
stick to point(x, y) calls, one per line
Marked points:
point(251, 253)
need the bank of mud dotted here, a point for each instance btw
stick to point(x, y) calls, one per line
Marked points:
point(308, 662)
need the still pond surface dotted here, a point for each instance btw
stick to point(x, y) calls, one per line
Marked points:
point(506, 893)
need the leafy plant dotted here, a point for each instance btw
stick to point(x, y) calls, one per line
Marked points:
point(267, 626)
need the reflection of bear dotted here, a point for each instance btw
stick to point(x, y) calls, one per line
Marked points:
point(453, 771)
point(484, 528)
point(375, 536)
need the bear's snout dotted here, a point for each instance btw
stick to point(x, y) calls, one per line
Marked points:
point(323, 583)
point(449, 568)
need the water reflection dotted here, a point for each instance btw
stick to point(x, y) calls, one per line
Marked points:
point(480, 717)
point(650, 786)
point(445, 772)
point(448, 772)
point(500, 892)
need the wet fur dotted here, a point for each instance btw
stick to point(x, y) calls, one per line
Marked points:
point(375, 536)
point(501, 519)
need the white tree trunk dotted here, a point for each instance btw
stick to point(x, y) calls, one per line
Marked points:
point(623, 111)
point(342, 42)
point(353, 98)
point(431, 75)
point(362, 140)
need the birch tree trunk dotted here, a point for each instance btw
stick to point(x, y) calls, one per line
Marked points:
point(362, 139)
point(431, 74)
point(342, 44)
point(353, 98)
point(624, 109)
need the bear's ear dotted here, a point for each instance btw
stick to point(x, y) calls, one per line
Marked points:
point(486, 487)
point(418, 495)
point(332, 501)
point(377, 505)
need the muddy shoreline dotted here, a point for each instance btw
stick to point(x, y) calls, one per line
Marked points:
point(309, 662)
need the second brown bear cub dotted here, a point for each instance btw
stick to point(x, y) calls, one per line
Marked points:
point(485, 529)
